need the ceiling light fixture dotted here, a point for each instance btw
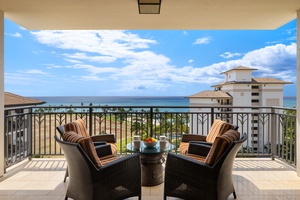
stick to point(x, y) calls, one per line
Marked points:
point(149, 6)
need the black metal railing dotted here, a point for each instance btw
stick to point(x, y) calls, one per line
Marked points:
point(29, 131)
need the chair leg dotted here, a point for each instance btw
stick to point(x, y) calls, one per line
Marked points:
point(234, 194)
point(66, 175)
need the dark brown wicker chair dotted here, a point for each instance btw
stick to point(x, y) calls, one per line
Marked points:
point(189, 178)
point(105, 144)
point(79, 126)
point(118, 179)
point(218, 128)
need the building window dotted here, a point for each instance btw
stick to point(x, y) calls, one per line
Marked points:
point(18, 111)
point(255, 87)
point(255, 94)
point(254, 100)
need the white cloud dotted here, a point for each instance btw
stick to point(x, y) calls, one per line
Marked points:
point(83, 56)
point(22, 78)
point(92, 78)
point(15, 34)
point(291, 31)
point(203, 40)
point(95, 70)
point(135, 67)
point(73, 60)
point(278, 56)
point(35, 71)
point(136, 84)
point(190, 61)
point(229, 54)
point(113, 43)
point(22, 28)
point(292, 38)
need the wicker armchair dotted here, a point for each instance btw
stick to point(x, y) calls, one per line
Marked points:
point(118, 179)
point(203, 177)
point(218, 128)
point(105, 144)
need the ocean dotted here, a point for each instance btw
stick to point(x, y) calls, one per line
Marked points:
point(130, 101)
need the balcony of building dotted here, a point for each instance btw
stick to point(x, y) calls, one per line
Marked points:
point(265, 167)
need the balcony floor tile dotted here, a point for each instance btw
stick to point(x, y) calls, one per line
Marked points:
point(254, 178)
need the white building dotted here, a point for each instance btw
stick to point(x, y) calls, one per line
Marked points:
point(240, 89)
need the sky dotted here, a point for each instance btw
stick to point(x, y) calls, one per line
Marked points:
point(141, 62)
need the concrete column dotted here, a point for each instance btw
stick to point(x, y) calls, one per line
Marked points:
point(2, 93)
point(298, 95)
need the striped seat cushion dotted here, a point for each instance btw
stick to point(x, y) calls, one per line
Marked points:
point(108, 159)
point(196, 157)
point(86, 144)
point(113, 146)
point(220, 145)
point(183, 147)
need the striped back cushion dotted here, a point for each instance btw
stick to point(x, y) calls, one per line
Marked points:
point(218, 128)
point(220, 145)
point(86, 144)
point(78, 127)
point(73, 137)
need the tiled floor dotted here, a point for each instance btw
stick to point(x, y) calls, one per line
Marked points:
point(254, 178)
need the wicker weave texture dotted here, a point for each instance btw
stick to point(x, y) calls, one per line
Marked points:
point(118, 179)
point(190, 179)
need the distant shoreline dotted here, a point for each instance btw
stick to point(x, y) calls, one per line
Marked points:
point(288, 101)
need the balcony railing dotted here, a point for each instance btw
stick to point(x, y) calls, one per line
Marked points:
point(29, 131)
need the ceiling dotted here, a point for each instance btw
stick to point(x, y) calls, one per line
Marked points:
point(174, 14)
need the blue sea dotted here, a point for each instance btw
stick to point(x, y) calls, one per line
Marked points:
point(130, 101)
point(116, 101)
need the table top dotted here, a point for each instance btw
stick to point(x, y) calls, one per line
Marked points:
point(150, 150)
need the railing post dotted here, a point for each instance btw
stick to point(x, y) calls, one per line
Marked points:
point(151, 122)
point(29, 134)
point(90, 120)
point(273, 133)
point(212, 116)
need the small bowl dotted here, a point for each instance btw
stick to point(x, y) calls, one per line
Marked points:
point(150, 144)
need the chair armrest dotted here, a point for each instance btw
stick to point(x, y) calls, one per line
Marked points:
point(192, 137)
point(177, 165)
point(103, 150)
point(200, 149)
point(184, 173)
point(235, 127)
point(125, 171)
point(201, 142)
point(99, 143)
point(104, 137)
